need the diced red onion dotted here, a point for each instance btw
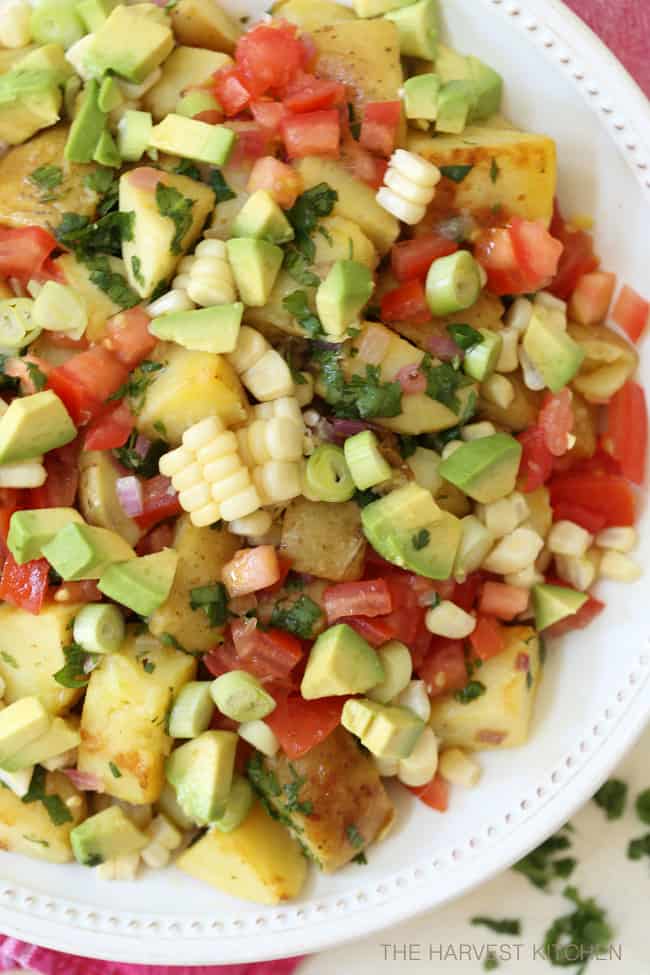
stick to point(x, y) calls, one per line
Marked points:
point(142, 446)
point(84, 780)
point(373, 344)
point(488, 737)
point(412, 380)
point(129, 494)
point(348, 428)
point(443, 347)
point(242, 631)
point(456, 228)
point(522, 662)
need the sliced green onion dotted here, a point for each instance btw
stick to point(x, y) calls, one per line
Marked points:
point(99, 628)
point(17, 327)
point(58, 308)
point(481, 360)
point(367, 465)
point(192, 710)
point(398, 667)
point(453, 283)
point(241, 697)
point(56, 22)
point(238, 805)
point(327, 475)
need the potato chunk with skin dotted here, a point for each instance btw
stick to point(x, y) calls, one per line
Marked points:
point(486, 313)
point(363, 54)
point(202, 554)
point(324, 540)
point(340, 785)
point(27, 827)
point(520, 414)
point(184, 67)
point(609, 362)
point(500, 717)
point(203, 23)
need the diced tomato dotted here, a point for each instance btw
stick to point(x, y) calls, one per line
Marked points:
point(250, 570)
point(24, 586)
point(268, 114)
point(407, 303)
point(592, 297)
point(253, 142)
point(86, 381)
point(369, 598)
point(577, 258)
point(311, 94)
point(78, 592)
point(60, 488)
point(631, 312)
point(160, 537)
point(536, 465)
point(19, 368)
point(487, 639)
point(309, 52)
point(379, 127)
point(503, 601)
point(312, 134)
point(600, 463)
point(556, 421)
point(591, 521)
point(627, 430)
point(110, 429)
point(374, 631)
point(466, 593)
point(577, 621)
point(412, 258)
point(605, 494)
point(444, 669)
point(494, 251)
point(362, 164)
point(300, 725)
point(518, 259)
point(129, 338)
point(268, 57)
point(231, 91)
point(537, 252)
point(407, 615)
point(282, 182)
point(284, 568)
point(434, 794)
point(274, 651)
point(159, 502)
point(23, 251)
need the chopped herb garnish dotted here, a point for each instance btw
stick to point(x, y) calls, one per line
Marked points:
point(361, 859)
point(564, 868)
point(365, 497)
point(74, 673)
point(169, 640)
point(297, 304)
point(494, 170)
point(506, 925)
point(47, 178)
point(136, 265)
point(88, 239)
point(221, 189)
point(443, 383)
point(135, 388)
point(612, 797)
point(291, 790)
point(112, 283)
point(37, 376)
point(171, 203)
point(470, 692)
point(34, 839)
point(144, 465)
point(9, 384)
point(115, 772)
point(54, 804)
point(464, 336)
point(303, 216)
point(540, 867)
point(491, 962)
point(354, 836)
point(577, 936)
point(642, 807)
point(160, 428)
point(421, 539)
point(407, 445)
point(8, 659)
point(213, 600)
point(639, 848)
point(297, 266)
point(456, 173)
point(298, 618)
point(148, 665)
point(362, 397)
point(264, 780)
point(104, 182)
point(187, 168)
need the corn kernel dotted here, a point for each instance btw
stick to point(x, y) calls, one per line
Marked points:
point(189, 477)
point(15, 29)
point(503, 516)
point(459, 768)
point(416, 699)
point(162, 830)
point(218, 470)
point(514, 552)
point(476, 431)
point(621, 539)
point(447, 619)
point(195, 497)
point(207, 515)
point(270, 377)
point(519, 315)
point(567, 538)
point(579, 572)
point(230, 486)
point(155, 856)
point(250, 348)
point(421, 765)
point(241, 505)
point(525, 578)
point(498, 390)
point(277, 481)
point(221, 446)
point(620, 567)
point(254, 525)
point(202, 433)
point(509, 355)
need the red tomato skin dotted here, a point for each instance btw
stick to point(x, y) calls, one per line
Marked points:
point(434, 794)
point(60, 488)
point(160, 537)
point(25, 586)
point(231, 91)
point(379, 127)
point(361, 163)
point(86, 381)
point(591, 521)
point(268, 57)
point(129, 338)
point(536, 465)
point(369, 598)
point(578, 621)
point(488, 638)
point(444, 668)
point(279, 180)
point(310, 94)
point(556, 420)
point(268, 114)
point(24, 250)
point(300, 725)
point(406, 303)
point(111, 429)
point(503, 601)
point(577, 258)
point(605, 494)
point(631, 312)
point(627, 431)
point(519, 258)
point(412, 258)
point(466, 593)
point(312, 134)
point(592, 297)
point(537, 252)
point(160, 502)
point(374, 631)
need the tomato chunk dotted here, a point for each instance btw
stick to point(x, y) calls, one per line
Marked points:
point(592, 297)
point(407, 303)
point(250, 570)
point(311, 94)
point(577, 258)
point(520, 258)
point(379, 127)
point(605, 494)
point(279, 180)
point(129, 338)
point(503, 601)
point(159, 502)
point(300, 725)
point(413, 258)
point(488, 638)
point(631, 312)
point(556, 420)
point(369, 598)
point(627, 430)
point(86, 381)
point(110, 430)
point(536, 465)
point(591, 521)
point(444, 669)
point(24, 586)
point(312, 134)
point(268, 57)
point(434, 794)
point(23, 251)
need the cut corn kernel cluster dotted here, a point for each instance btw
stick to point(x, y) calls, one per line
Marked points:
point(121, 868)
point(621, 539)
point(207, 277)
point(409, 186)
point(260, 367)
point(448, 619)
point(567, 538)
point(165, 838)
point(211, 479)
point(459, 768)
point(15, 30)
point(503, 516)
point(272, 447)
point(619, 567)
point(173, 301)
point(514, 552)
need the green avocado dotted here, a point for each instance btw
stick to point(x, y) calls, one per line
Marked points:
point(358, 714)
point(487, 83)
point(418, 25)
point(32, 425)
point(61, 736)
point(255, 265)
point(213, 329)
point(343, 294)
point(201, 771)
point(552, 351)
point(340, 662)
point(81, 551)
point(455, 103)
point(142, 584)
point(95, 12)
point(110, 95)
point(555, 603)
point(481, 359)
point(29, 531)
point(130, 44)
point(134, 134)
point(421, 96)
point(105, 836)
point(393, 733)
point(193, 139)
point(486, 469)
point(20, 724)
point(87, 127)
point(106, 152)
point(261, 217)
point(195, 102)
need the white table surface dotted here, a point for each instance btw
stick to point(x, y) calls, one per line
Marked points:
point(603, 872)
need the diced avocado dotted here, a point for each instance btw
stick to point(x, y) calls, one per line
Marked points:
point(32, 425)
point(343, 294)
point(455, 102)
point(168, 804)
point(424, 464)
point(481, 359)
point(110, 95)
point(398, 667)
point(238, 805)
point(419, 26)
point(21, 723)
point(95, 12)
point(49, 58)
point(142, 584)
point(56, 21)
point(195, 102)
point(393, 733)
point(475, 543)
point(29, 531)
point(134, 134)
point(358, 714)
point(431, 551)
point(81, 551)
point(340, 662)
point(130, 44)
point(192, 139)
point(87, 128)
point(555, 603)
point(487, 83)
point(484, 469)
point(213, 329)
point(255, 266)
point(31, 96)
point(450, 65)
point(201, 771)
point(262, 217)
point(374, 8)
point(421, 96)
point(61, 736)
point(105, 836)
point(552, 351)
point(106, 152)
point(410, 507)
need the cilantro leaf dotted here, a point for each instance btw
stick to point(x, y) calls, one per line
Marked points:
point(443, 382)
point(55, 806)
point(36, 375)
point(421, 539)
point(456, 173)
point(221, 189)
point(304, 216)
point(464, 336)
point(354, 836)
point(104, 236)
point(264, 780)
point(642, 806)
point(145, 466)
point(297, 266)
point(470, 692)
point(187, 168)
point(115, 772)
point(504, 926)
point(612, 797)
point(639, 848)
point(47, 178)
point(213, 600)
point(540, 867)
point(407, 445)
point(298, 618)
point(136, 267)
point(363, 397)
point(136, 386)
point(107, 185)
point(297, 305)
point(291, 791)
point(171, 203)
point(577, 936)
point(74, 674)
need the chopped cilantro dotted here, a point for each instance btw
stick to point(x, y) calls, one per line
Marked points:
point(146, 466)
point(464, 336)
point(564, 867)
point(438, 441)
point(136, 267)
point(494, 170)
point(361, 859)
point(56, 808)
point(36, 375)
point(407, 445)
point(297, 266)
point(264, 780)
point(10, 384)
point(135, 388)
point(361, 397)
point(421, 539)
point(540, 867)
point(365, 497)
point(354, 836)
point(612, 797)
point(8, 659)
point(160, 428)
point(104, 236)
point(297, 305)
point(443, 382)
point(148, 665)
point(642, 807)
point(74, 674)
point(577, 936)
point(456, 173)
point(47, 178)
point(171, 203)
point(291, 790)
point(187, 168)
point(470, 692)
point(34, 839)
point(112, 283)
point(169, 640)
point(491, 962)
point(104, 182)
point(304, 216)
point(213, 600)
point(221, 189)
point(298, 618)
point(639, 848)
point(505, 926)
point(115, 772)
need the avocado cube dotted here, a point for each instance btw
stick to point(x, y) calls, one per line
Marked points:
point(95, 12)
point(201, 771)
point(61, 736)
point(410, 507)
point(130, 44)
point(192, 139)
point(87, 128)
point(481, 359)
point(29, 531)
point(358, 714)
point(455, 103)
point(261, 217)
point(142, 584)
point(213, 329)
point(255, 266)
point(106, 152)
point(418, 25)
point(556, 356)
point(484, 469)
point(393, 733)
point(342, 296)
point(421, 96)
point(32, 425)
point(340, 662)
point(81, 551)
point(487, 83)
point(20, 724)
point(555, 603)
point(105, 836)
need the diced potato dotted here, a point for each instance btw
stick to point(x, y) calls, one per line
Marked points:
point(193, 385)
point(185, 66)
point(363, 54)
point(350, 807)
point(499, 718)
point(124, 716)
point(310, 16)
point(273, 312)
point(356, 200)
point(522, 411)
point(202, 553)
point(324, 540)
point(486, 313)
point(204, 23)
point(98, 500)
point(451, 499)
point(98, 304)
point(19, 120)
point(609, 362)
point(540, 517)
point(31, 652)
point(259, 861)
point(526, 173)
point(23, 203)
point(28, 829)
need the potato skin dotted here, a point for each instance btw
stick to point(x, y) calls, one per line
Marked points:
point(324, 540)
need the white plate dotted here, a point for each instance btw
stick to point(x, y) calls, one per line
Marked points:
point(595, 697)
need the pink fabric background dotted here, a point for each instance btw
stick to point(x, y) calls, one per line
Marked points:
point(624, 25)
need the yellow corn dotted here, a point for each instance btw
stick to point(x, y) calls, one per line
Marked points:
point(207, 276)
point(459, 768)
point(15, 30)
point(409, 186)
